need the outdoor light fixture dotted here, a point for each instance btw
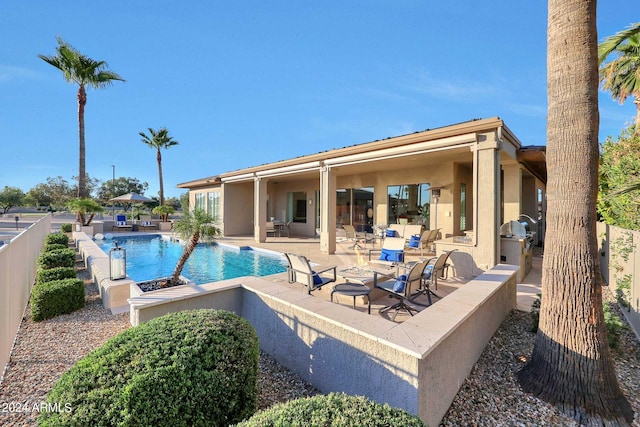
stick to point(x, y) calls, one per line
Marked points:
point(117, 263)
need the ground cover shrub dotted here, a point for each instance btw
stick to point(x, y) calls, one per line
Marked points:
point(59, 238)
point(65, 228)
point(614, 326)
point(53, 246)
point(56, 273)
point(334, 409)
point(190, 368)
point(51, 299)
point(57, 258)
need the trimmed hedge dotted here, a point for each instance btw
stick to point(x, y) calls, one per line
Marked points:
point(50, 299)
point(334, 409)
point(48, 247)
point(59, 238)
point(56, 273)
point(57, 258)
point(65, 228)
point(190, 368)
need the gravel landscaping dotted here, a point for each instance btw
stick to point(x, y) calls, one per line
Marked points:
point(489, 397)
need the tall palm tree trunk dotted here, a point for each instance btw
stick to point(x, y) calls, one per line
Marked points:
point(571, 365)
point(637, 129)
point(159, 157)
point(82, 177)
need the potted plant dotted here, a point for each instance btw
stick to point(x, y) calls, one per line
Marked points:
point(192, 227)
point(163, 211)
point(85, 210)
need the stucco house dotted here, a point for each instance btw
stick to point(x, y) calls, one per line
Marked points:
point(465, 179)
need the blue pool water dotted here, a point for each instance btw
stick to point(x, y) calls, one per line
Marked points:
point(151, 256)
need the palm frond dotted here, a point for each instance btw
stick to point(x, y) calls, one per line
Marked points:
point(611, 43)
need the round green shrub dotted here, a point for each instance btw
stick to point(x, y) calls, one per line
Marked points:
point(190, 368)
point(334, 409)
point(59, 238)
point(53, 246)
point(65, 228)
point(51, 299)
point(56, 273)
point(57, 258)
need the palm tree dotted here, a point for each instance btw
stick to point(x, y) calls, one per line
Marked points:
point(571, 364)
point(84, 207)
point(85, 72)
point(621, 76)
point(192, 227)
point(158, 140)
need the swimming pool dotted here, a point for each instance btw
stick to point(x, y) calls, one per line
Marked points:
point(150, 257)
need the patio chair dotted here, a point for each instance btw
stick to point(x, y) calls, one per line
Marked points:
point(401, 288)
point(146, 224)
point(436, 268)
point(300, 271)
point(352, 234)
point(423, 241)
point(392, 251)
point(271, 229)
point(121, 223)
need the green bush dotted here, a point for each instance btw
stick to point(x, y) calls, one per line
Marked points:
point(50, 299)
point(190, 368)
point(53, 246)
point(334, 409)
point(65, 228)
point(614, 326)
point(59, 238)
point(56, 273)
point(57, 258)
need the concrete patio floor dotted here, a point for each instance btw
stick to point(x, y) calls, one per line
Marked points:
point(345, 256)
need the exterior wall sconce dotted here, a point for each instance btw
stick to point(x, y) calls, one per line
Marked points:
point(117, 263)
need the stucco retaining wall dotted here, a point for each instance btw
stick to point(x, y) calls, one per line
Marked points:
point(418, 365)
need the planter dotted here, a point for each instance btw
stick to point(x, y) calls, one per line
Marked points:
point(155, 286)
point(165, 226)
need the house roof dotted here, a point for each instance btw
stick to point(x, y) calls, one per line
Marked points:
point(470, 127)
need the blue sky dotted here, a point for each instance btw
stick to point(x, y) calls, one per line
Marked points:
point(244, 83)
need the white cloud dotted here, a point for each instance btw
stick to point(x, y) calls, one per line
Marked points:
point(9, 73)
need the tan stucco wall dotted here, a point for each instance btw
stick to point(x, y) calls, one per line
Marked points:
point(237, 208)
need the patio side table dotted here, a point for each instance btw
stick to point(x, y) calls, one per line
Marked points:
point(354, 290)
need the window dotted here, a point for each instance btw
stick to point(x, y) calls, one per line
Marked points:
point(410, 202)
point(201, 201)
point(463, 206)
point(297, 206)
point(213, 205)
point(354, 206)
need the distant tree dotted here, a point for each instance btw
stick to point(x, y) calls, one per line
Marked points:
point(55, 192)
point(158, 140)
point(10, 197)
point(91, 184)
point(621, 75)
point(184, 201)
point(571, 365)
point(122, 185)
point(619, 183)
point(172, 201)
point(85, 72)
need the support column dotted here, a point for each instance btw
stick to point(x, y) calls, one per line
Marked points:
point(486, 183)
point(512, 191)
point(327, 211)
point(260, 210)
